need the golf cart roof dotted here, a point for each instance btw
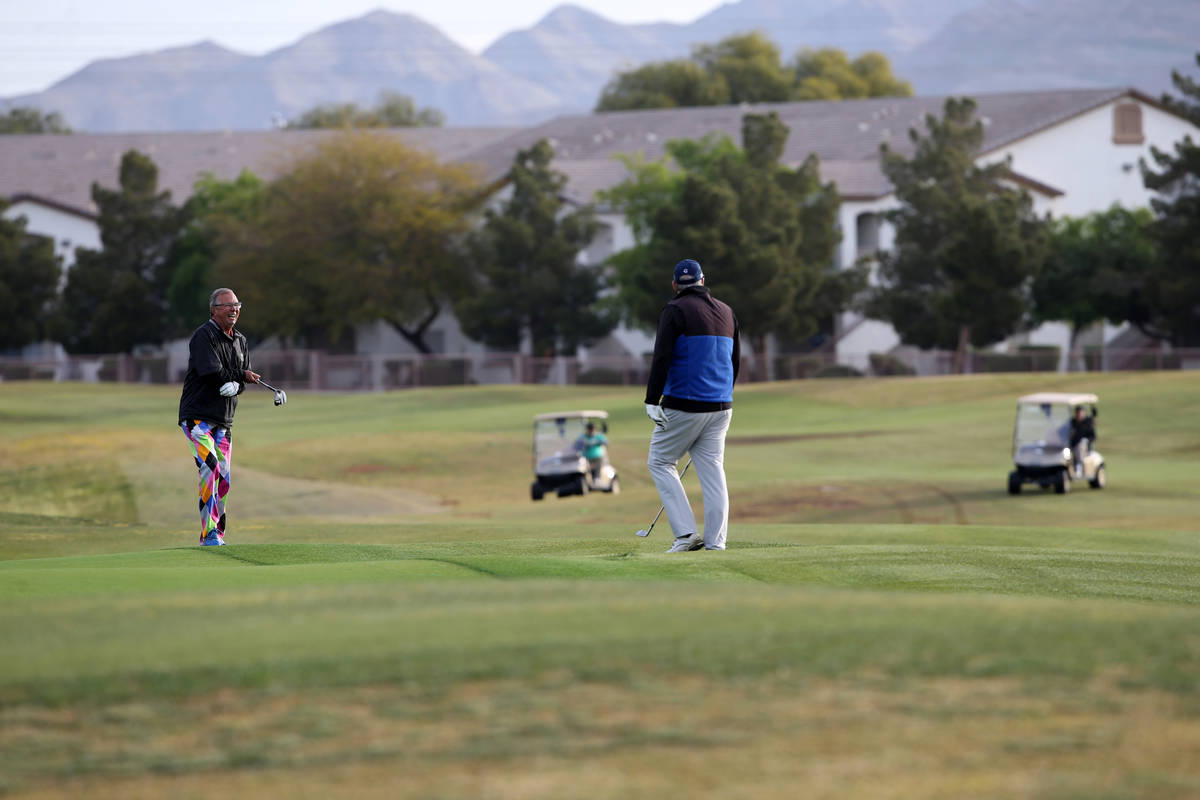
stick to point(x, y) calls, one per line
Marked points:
point(1055, 398)
point(553, 415)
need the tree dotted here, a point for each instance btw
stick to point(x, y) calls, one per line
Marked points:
point(29, 273)
point(750, 66)
point(746, 68)
point(361, 229)
point(1170, 293)
point(829, 74)
point(115, 298)
point(966, 244)
point(1092, 267)
point(213, 204)
point(764, 232)
point(664, 84)
point(526, 278)
point(393, 110)
point(24, 119)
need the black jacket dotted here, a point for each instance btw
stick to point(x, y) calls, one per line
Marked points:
point(697, 354)
point(1082, 429)
point(214, 360)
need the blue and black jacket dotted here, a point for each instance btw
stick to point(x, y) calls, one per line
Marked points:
point(696, 354)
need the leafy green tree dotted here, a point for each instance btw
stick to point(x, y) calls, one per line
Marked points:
point(526, 279)
point(361, 229)
point(29, 273)
point(750, 66)
point(966, 246)
point(764, 232)
point(664, 84)
point(746, 68)
point(1092, 268)
point(212, 205)
point(1170, 293)
point(829, 74)
point(24, 119)
point(115, 298)
point(393, 110)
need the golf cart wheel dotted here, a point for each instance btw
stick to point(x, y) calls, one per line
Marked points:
point(615, 486)
point(1101, 479)
point(1014, 482)
point(1062, 483)
point(535, 491)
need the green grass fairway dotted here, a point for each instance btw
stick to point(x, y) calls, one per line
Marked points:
point(394, 617)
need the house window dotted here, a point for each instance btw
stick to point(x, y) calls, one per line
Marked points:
point(1127, 124)
point(866, 235)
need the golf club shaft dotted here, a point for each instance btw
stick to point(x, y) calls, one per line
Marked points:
point(662, 507)
point(266, 385)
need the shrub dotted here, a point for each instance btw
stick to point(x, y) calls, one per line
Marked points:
point(884, 364)
point(793, 367)
point(601, 376)
point(837, 371)
point(1030, 358)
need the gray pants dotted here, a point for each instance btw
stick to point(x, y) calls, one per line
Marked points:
point(702, 435)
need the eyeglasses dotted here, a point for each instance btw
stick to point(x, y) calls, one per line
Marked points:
point(234, 306)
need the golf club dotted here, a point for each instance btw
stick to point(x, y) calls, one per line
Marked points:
point(280, 394)
point(646, 532)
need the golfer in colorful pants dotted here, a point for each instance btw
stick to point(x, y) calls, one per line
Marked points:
point(218, 371)
point(212, 447)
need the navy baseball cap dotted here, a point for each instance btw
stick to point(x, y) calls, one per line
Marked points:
point(688, 273)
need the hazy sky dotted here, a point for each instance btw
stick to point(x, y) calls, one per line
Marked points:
point(42, 41)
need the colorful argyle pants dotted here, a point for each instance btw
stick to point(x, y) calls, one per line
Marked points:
point(212, 447)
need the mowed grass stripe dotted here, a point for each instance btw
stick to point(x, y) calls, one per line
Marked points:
point(438, 631)
point(1111, 567)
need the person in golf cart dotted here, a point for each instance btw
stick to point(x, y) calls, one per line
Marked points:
point(1083, 429)
point(594, 447)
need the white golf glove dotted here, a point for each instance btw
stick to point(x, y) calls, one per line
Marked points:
point(229, 389)
point(656, 415)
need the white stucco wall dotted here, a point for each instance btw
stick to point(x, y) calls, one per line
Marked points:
point(68, 231)
point(1079, 157)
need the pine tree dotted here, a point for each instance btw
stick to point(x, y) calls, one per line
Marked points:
point(29, 272)
point(115, 298)
point(1170, 293)
point(966, 244)
point(527, 280)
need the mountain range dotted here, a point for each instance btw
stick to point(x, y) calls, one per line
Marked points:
point(560, 65)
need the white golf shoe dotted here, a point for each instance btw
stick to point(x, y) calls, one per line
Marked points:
point(684, 544)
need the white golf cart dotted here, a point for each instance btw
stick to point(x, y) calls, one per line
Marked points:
point(1041, 444)
point(560, 462)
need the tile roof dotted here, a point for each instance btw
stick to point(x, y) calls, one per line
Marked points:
point(61, 168)
point(845, 135)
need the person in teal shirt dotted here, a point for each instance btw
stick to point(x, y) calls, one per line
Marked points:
point(593, 446)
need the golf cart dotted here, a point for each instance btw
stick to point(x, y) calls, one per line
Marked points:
point(560, 462)
point(1041, 444)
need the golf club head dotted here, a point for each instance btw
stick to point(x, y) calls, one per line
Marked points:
point(643, 533)
point(280, 397)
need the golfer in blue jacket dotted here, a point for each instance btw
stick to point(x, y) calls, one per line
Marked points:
point(689, 397)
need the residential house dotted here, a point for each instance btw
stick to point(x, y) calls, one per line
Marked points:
point(1075, 150)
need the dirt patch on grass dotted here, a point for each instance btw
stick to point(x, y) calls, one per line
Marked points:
point(553, 736)
point(371, 468)
point(794, 501)
point(801, 437)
